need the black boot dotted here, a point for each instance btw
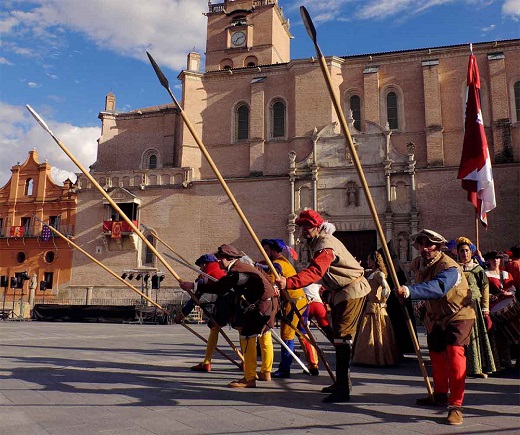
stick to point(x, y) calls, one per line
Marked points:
point(328, 333)
point(341, 391)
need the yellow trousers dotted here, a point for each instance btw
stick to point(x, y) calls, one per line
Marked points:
point(211, 345)
point(248, 345)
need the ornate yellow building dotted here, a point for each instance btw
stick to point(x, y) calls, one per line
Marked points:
point(29, 198)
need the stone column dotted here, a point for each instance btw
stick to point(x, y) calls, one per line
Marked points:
point(499, 101)
point(88, 300)
point(371, 95)
point(33, 285)
point(433, 113)
point(292, 181)
point(257, 127)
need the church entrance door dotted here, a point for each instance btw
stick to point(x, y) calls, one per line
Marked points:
point(359, 243)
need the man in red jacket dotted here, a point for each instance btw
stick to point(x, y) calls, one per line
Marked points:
point(340, 273)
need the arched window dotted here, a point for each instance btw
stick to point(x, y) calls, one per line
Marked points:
point(250, 61)
point(242, 122)
point(29, 184)
point(517, 100)
point(278, 119)
point(147, 258)
point(226, 64)
point(152, 162)
point(355, 108)
point(151, 159)
point(392, 110)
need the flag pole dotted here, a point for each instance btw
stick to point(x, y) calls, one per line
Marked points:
point(477, 241)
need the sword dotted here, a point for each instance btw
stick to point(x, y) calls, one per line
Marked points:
point(298, 360)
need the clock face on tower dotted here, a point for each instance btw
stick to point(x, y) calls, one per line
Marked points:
point(238, 38)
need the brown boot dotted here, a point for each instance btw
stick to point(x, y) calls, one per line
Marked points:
point(455, 416)
point(438, 399)
point(264, 376)
point(242, 383)
point(201, 367)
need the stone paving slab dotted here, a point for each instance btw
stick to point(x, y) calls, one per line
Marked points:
point(75, 379)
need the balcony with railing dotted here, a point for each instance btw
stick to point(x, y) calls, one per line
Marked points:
point(117, 228)
point(220, 7)
point(34, 231)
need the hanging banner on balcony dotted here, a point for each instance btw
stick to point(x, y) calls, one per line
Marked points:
point(17, 231)
point(116, 230)
point(46, 233)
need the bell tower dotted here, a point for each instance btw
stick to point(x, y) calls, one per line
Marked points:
point(245, 33)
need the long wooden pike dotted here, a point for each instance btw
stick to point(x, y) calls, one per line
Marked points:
point(129, 222)
point(156, 237)
point(311, 30)
point(164, 82)
point(130, 286)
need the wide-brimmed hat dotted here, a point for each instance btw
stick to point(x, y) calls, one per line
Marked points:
point(206, 258)
point(228, 251)
point(311, 217)
point(431, 235)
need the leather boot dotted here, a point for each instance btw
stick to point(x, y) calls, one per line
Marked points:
point(341, 391)
point(202, 367)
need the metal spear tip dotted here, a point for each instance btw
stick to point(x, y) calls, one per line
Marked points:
point(162, 78)
point(39, 119)
point(309, 26)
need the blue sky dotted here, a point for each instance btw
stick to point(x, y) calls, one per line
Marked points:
point(63, 56)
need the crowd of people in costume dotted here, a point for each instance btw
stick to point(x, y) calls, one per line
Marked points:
point(466, 302)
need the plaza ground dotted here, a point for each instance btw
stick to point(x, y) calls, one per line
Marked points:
point(75, 379)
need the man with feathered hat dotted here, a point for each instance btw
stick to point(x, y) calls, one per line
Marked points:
point(449, 317)
point(341, 274)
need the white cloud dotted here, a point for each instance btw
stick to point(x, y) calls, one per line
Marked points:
point(33, 85)
point(328, 10)
point(4, 61)
point(166, 28)
point(512, 8)
point(488, 28)
point(20, 133)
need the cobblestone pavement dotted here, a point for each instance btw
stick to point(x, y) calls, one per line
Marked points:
point(75, 379)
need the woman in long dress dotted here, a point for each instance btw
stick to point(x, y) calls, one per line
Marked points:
point(375, 341)
point(479, 354)
point(501, 287)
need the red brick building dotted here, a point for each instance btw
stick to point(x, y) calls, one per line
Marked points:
point(271, 129)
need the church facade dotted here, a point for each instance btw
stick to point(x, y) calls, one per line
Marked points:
point(269, 125)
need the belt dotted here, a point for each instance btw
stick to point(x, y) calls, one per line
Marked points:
point(359, 278)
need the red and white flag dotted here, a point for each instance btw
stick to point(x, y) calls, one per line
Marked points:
point(475, 163)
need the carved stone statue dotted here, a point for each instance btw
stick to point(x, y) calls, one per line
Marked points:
point(403, 248)
point(352, 194)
